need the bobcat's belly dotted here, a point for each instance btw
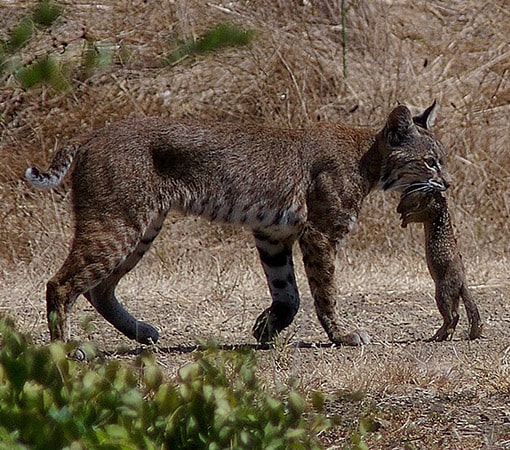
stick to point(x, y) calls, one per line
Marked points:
point(259, 214)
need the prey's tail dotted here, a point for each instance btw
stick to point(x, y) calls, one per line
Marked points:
point(58, 169)
point(475, 322)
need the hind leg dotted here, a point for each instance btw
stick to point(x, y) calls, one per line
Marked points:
point(102, 297)
point(76, 277)
point(448, 305)
point(94, 255)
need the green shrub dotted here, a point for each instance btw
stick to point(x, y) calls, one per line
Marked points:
point(224, 405)
point(46, 12)
point(223, 34)
point(43, 14)
point(43, 69)
point(48, 400)
point(20, 34)
point(96, 54)
point(51, 69)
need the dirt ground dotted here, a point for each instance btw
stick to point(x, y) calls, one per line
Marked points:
point(421, 395)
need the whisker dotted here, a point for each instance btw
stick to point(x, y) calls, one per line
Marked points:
point(417, 187)
point(435, 186)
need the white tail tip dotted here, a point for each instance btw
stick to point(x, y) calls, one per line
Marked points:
point(39, 180)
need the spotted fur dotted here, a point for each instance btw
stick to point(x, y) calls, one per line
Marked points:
point(420, 204)
point(285, 185)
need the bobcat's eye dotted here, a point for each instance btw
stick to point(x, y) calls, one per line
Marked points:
point(431, 163)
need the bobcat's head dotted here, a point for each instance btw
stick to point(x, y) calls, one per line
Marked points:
point(410, 151)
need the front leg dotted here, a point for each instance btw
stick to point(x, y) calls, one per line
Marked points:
point(276, 257)
point(319, 253)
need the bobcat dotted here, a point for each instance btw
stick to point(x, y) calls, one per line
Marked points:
point(302, 185)
point(419, 204)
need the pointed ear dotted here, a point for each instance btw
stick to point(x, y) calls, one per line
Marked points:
point(400, 125)
point(427, 118)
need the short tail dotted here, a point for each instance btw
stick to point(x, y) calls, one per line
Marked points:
point(58, 169)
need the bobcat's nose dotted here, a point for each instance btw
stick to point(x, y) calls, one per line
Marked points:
point(440, 183)
point(440, 180)
point(447, 180)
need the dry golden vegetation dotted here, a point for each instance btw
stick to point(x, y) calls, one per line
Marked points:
point(205, 280)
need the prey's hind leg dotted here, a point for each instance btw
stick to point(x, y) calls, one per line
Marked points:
point(275, 252)
point(103, 298)
point(447, 300)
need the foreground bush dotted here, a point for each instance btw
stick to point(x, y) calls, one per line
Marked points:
point(50, 401)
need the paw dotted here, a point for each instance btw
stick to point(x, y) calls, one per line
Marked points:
point(475, 331)
point(265, 329)
point(356, 338)
point(145, 334)
point(273, 320)
point(441, 335)
point(58, 324)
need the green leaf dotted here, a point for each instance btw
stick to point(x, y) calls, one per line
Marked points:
point(296, 404)
point(318, 400)
point(153, 376)
point(62, 415)
point(295, 433)
point(368, 425)
point(117, 432)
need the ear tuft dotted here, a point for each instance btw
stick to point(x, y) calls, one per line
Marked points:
point(399, 125)
point(427, 118)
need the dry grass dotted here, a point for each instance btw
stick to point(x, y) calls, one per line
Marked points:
point(291, 76)
point(412, 52)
